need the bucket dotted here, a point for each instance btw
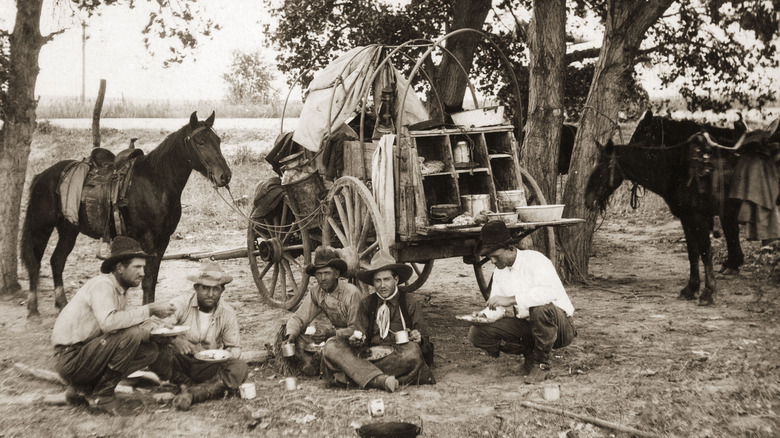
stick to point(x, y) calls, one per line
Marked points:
point(304, 197)
point(475, 204)
point(395, 429)
point(509, 200)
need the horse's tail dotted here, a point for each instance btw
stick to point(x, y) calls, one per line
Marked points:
point(25, 245)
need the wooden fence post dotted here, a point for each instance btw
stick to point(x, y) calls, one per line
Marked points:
point(96, 114)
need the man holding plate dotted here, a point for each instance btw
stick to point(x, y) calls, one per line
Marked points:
point(99, 339)
point(388, 320)
point(204, 361)
point(335, 297)
point(526, 282)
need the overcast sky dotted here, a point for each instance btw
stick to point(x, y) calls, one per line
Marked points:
point(115, 52)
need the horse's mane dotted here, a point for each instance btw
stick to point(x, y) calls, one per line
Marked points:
point(167, 159)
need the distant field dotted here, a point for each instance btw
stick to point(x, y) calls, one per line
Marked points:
point(73, 108)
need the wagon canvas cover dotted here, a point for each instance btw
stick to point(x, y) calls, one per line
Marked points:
point(335, 93)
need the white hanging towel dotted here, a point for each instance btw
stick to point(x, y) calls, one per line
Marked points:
point(383, 185)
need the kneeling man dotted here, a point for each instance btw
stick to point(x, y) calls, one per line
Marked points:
point(99, 339)
point(213, 325)
point(525, 281)
point(381, 317)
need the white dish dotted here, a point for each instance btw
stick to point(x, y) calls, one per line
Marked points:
point(213, 355)
point(165, 331)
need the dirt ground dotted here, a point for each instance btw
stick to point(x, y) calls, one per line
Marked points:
point(642, 358)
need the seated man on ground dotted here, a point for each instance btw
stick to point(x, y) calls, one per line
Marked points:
point(99, 339)
point(526, 284)
point(382, 316)
point(212, 325)
point(338, 299)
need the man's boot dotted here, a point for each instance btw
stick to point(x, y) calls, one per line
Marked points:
point(102, 399)
point(539, 366)
point(528, 365)
point(76, 395)
point(212, 388)
point(384, 382)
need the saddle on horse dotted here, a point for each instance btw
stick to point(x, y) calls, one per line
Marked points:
point(99, 184)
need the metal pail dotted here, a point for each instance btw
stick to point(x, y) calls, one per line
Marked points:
point(475, 204)
point(304, 197)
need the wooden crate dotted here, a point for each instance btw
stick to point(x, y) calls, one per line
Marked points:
point(357, 159)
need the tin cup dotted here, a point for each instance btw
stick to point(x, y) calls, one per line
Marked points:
point(376, 407)
point(290, 384)
point(551, 392)
point(401, 337)
point(247, 391)
point(288, 349)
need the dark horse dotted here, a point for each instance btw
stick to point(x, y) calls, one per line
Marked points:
point(667, 172)
point(153, 205)
point(660, 131)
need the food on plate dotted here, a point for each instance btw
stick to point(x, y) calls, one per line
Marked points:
point(213, 355)
point(464, 219)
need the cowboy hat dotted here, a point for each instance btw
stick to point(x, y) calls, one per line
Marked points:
point(495, 235)
point(326, 256)
point(383, 261)
point(210, 274)
point(122, 248)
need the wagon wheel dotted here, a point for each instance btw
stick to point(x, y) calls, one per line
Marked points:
point(484, 274)
point(278, 252)
point(420, 273)
point(484, 271)
point(352, 224)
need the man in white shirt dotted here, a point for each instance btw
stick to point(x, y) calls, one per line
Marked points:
point(527, 282)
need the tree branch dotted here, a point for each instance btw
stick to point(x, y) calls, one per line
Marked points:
point(580, 55)
point(49, 37)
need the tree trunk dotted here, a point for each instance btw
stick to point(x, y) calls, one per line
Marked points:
point(626, 24)
point(451, 81)
point(547, 46)
point(16, 133)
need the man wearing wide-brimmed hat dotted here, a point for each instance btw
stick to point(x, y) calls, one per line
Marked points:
point(381, 317)
point(213, 325)
point(99, 339)
point(526, 282)
point(335, 297)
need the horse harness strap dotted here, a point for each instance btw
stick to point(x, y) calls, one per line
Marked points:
point(189, 138)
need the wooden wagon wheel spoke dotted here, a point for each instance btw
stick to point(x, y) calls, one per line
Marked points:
point(370, 249)
point(345, 222)
point(340, 234)
point(288, 270)
point(278, 251)
point(364, 225)
point(265, 270)
point(350, 209)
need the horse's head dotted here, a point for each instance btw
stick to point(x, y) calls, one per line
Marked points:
point(204, 143)
point(605, 178)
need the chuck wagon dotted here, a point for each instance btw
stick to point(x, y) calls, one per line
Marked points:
point(400, 185)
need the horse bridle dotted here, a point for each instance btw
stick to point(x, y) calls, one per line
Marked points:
point(188, 141)
point(635, 195)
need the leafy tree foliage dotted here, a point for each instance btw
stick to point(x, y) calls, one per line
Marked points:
point(250, 78)
point(698, 44)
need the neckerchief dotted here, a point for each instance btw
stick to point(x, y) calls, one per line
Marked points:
point(383, 315)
